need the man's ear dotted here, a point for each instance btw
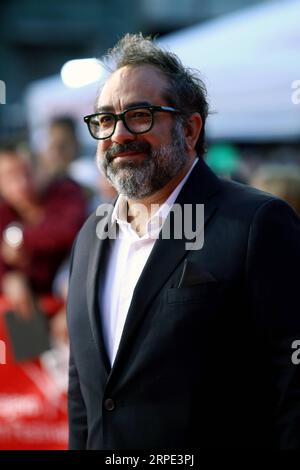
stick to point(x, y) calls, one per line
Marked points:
point(192, 130)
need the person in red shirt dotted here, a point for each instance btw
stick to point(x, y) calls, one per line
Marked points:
point(37, 229)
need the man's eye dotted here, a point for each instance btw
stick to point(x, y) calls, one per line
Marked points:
point(105, 119)
point(140, 114)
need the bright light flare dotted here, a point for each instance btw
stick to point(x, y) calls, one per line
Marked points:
point(81, 72)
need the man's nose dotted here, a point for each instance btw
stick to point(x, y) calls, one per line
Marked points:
point(122, 134)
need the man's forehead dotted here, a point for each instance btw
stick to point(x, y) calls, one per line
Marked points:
point(132, 85)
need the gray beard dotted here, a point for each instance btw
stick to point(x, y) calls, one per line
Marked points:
point(136, 180)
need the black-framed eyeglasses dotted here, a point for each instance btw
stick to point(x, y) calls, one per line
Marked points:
point(137, 120)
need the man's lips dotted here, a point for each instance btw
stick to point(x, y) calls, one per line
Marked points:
point(129, 154)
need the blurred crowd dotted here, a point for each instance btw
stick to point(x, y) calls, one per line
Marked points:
point(42, 208)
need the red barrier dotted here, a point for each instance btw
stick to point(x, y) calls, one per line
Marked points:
point(33, 406)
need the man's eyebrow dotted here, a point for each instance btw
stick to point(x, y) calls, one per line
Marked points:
point(110, 109)
point(104, 109)
point(137, 103)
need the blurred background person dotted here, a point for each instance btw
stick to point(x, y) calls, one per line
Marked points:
point(19, 204)
point(37, 229)
point(38, 223)
point(62, 148)
point(282, 180)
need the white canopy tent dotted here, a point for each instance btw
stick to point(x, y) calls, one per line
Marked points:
point(248, 60)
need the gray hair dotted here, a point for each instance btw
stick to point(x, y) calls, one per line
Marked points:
point(186, 91)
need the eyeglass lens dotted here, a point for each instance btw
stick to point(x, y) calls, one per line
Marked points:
point(137, 121)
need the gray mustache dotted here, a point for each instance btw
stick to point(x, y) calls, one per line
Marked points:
point(129, 147)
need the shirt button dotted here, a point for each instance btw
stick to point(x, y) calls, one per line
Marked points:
point(109, 404)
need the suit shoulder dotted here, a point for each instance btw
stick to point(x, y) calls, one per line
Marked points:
point(244, 192)
point(252, 205)
point(83, 238)
point(88, 231)
point(245, 198)
point(88, 226)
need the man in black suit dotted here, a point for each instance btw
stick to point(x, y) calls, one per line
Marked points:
point(179, 342)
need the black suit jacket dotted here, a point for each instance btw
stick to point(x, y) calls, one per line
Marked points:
point(205, 359)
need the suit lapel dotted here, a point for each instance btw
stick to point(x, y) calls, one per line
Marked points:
point(167, 254)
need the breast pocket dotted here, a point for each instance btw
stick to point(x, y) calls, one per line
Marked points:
point(195, 293)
